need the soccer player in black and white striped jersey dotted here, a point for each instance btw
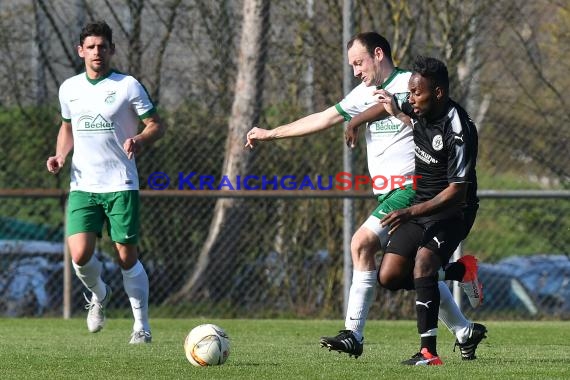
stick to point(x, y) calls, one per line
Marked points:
point(444, 208)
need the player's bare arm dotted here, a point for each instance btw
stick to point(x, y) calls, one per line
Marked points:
point(154, 129)
point(351, 135)
point(451, 196)
point(63, 147)
point(305, 126)
point(376, 112)
point(390, 106)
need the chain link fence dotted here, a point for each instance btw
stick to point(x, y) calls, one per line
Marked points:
point(280, 253)
point(287, 259)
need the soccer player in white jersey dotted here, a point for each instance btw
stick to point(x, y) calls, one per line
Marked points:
point(390, 151)
point(101, 110)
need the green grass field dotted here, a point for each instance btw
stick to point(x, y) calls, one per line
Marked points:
point(274, 349)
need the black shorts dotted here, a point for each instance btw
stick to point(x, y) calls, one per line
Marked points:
point(441, 237)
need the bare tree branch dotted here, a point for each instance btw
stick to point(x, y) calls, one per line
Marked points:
point(60, 38)
point(169, 25)
point(117, 19)
point(538, 71)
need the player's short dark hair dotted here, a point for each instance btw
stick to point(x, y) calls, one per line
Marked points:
point(98, 29)
point(433, 69)
point(372, 40)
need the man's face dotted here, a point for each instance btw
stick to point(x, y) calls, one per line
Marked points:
point(96, 52)
point(363, 64)
point(422, 95)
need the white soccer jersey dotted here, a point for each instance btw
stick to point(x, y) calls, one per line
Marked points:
point(103, 114)
point(389, 142)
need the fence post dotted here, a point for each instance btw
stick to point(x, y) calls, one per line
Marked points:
point(66, 270)
point(348, 203)
point(457, 292)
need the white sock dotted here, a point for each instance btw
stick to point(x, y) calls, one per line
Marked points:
point(450, 315)
point(361, 296)
point(90, 276)
point(135, 281)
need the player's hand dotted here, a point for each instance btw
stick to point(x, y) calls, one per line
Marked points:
point(388, 100)
point(396, 218)
point(132, 147)
point(256, 133)
point(351, 135)
point(55, 163)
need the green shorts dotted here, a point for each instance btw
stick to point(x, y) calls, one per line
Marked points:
point(394, 200)
point(86, 212)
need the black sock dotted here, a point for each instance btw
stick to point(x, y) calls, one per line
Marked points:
point(454, 271)
point(429, 342)
point(427, 309)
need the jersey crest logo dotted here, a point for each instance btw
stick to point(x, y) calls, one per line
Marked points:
point(437, 142)
point(111, 96)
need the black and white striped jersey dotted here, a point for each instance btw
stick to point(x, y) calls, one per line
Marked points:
point(445, 152)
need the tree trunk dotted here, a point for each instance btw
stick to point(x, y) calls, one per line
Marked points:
point(214, 271)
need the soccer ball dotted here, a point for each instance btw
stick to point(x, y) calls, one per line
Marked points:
point(207, 345)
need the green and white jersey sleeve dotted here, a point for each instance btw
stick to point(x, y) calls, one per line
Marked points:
point(389, 142)
point(103, 114)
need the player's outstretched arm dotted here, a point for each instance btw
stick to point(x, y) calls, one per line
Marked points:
point(390, 105)
point(307, 125)
point(376, 112)
point(63, 147)
point(451, 196)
